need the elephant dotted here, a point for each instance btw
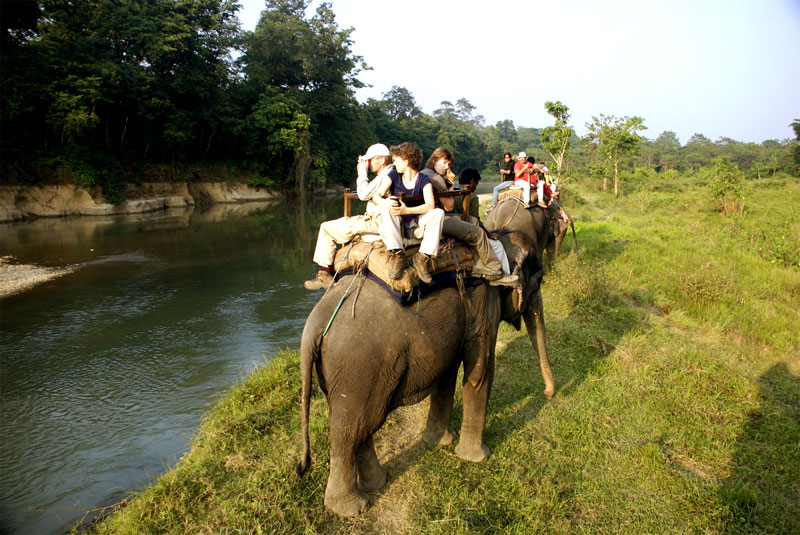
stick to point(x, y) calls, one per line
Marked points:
point(383, 356)
point(549, 232)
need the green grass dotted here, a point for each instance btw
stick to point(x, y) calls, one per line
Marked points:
point(675, 343)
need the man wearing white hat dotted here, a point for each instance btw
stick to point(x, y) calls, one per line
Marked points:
point(376, 220)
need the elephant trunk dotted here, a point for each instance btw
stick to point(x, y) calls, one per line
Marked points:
point(572, 226)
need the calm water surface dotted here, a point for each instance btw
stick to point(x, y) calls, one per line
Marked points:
point(106, 373)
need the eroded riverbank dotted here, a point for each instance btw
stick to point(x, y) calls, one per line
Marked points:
point(26, 202)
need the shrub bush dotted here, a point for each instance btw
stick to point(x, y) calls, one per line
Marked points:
point(727, 186)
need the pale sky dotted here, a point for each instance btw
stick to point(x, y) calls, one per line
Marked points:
point(721, 68)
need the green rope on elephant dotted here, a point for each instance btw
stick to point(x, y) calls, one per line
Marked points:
point(328, 326)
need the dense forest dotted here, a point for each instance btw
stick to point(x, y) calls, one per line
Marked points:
point(101, 92)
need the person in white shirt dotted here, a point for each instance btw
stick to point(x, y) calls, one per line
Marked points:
point(376, 220)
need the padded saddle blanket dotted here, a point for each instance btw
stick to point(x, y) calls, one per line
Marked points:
point(510, 192)
point(515, 192)
point(453, 257)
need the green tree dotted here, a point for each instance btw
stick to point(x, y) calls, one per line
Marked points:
point(507, 134)
point(616, 138)
point(399, 104)
point(698, 151)
point(310, 61)
point(667, 149)
point(556, 139)
point(530, 140)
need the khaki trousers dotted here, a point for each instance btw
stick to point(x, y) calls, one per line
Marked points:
point(340, 231)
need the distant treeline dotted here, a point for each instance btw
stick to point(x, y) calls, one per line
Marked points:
point(95, 90)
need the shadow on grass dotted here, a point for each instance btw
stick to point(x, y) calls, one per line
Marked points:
point(578, 345)
point(762, 494)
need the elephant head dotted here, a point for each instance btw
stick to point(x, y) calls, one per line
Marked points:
point(534, 225)
point(523, 256)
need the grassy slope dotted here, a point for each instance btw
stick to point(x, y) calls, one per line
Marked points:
point(675, 342)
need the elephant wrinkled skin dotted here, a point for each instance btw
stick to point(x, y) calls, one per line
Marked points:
point(385, 356)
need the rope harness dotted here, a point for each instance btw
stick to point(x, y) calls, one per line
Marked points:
point(358, 275)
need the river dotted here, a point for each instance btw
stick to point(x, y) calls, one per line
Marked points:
point(105, 373)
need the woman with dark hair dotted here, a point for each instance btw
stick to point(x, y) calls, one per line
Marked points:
point(421, 218)
point(442, 178)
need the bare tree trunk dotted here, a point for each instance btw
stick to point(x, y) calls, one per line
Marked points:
point(124, 130)
point(213, 132)
point(616, 177)
point(302, 161)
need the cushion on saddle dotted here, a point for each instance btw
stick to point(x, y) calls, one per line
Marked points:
point(511, 192)
point(453, 256)
point(516, 192)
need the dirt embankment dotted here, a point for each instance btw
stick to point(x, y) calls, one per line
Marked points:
point(24, 202)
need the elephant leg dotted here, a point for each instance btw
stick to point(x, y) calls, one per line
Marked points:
point(476, 399)
point(437, 429)
point(534, 322)
point(371, 475)
point(342, 495)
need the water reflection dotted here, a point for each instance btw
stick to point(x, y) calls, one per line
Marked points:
point(106, 372)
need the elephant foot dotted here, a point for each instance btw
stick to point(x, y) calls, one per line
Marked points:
point(439, 438)
point(473, 454)
point(348, 504)
point(372, 480)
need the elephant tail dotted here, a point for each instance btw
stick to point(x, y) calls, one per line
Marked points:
point(309, 350)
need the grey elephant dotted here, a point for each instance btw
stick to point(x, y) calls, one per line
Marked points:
point(511, 214)
point(377, 356)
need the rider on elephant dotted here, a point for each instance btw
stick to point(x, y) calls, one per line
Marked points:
point(421, 219)
point(376, 220)
point(489, 266)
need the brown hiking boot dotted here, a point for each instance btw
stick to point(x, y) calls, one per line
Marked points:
point(397, 263)
point(420, 262)
point(320, 281)
point(505, 280)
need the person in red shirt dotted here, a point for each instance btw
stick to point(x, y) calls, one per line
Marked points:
point(522, 176)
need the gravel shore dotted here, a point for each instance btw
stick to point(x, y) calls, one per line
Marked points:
point(16, 278)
